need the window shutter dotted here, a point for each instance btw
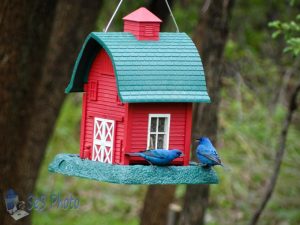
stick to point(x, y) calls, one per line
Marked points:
point(149, 31)
point(93, 90)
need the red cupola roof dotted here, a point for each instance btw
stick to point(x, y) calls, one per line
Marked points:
point(143, 24)
point(142, 15)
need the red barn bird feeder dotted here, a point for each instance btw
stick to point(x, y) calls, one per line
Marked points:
point(138, 88)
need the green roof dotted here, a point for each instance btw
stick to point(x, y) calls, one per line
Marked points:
point(167, 70)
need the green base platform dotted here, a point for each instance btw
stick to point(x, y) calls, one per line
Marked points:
point(73, 165)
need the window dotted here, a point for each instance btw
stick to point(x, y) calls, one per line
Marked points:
point(158, 131)
point(93, 88)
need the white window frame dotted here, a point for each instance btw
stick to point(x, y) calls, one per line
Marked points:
point(167, 132)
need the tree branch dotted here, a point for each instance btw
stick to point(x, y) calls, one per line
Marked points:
point(279, 156)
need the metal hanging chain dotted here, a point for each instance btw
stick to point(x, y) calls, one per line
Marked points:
point(112, 17)
point(177, 29)
point(118, 6)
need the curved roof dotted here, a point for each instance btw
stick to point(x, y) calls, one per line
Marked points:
point(167, 70)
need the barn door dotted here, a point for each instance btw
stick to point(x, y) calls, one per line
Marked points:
point(103, 140)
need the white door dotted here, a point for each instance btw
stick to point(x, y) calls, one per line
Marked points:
point(103, 140)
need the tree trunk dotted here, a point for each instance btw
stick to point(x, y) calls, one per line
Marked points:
point(33, 89)
point(156, 204)
point(160, 9)
point(210, 38)
point(158, 197)
point(24, 40)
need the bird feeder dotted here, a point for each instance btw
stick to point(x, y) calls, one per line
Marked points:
point(138, 88)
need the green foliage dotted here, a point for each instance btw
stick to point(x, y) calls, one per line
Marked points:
point(291, 32)
point(247, 146)
point(250, 120)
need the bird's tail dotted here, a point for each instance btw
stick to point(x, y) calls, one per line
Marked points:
point(226, 168)
point(132, 154)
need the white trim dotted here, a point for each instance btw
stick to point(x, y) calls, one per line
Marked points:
point(167, 132)
point(104, 153)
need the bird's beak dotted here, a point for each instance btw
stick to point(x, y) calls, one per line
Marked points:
point(196, 140)
point(181, 155)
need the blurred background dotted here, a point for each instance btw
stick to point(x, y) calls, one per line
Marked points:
point(252, 68)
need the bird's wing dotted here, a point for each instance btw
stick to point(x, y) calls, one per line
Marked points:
point(215, 159)
point(157, 153)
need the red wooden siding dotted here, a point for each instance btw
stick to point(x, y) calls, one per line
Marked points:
point(100, 100)
point(180, 128)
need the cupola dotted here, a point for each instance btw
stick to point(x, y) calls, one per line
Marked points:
point(143, 24)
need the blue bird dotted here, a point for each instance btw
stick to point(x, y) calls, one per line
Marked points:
point(159, 157)
point(207, 154)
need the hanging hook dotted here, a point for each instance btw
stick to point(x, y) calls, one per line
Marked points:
point(120, 2)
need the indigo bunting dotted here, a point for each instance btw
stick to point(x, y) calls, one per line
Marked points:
point(207, 154)
point(159, 157)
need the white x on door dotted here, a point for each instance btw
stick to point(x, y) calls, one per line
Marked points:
point(103, 140)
